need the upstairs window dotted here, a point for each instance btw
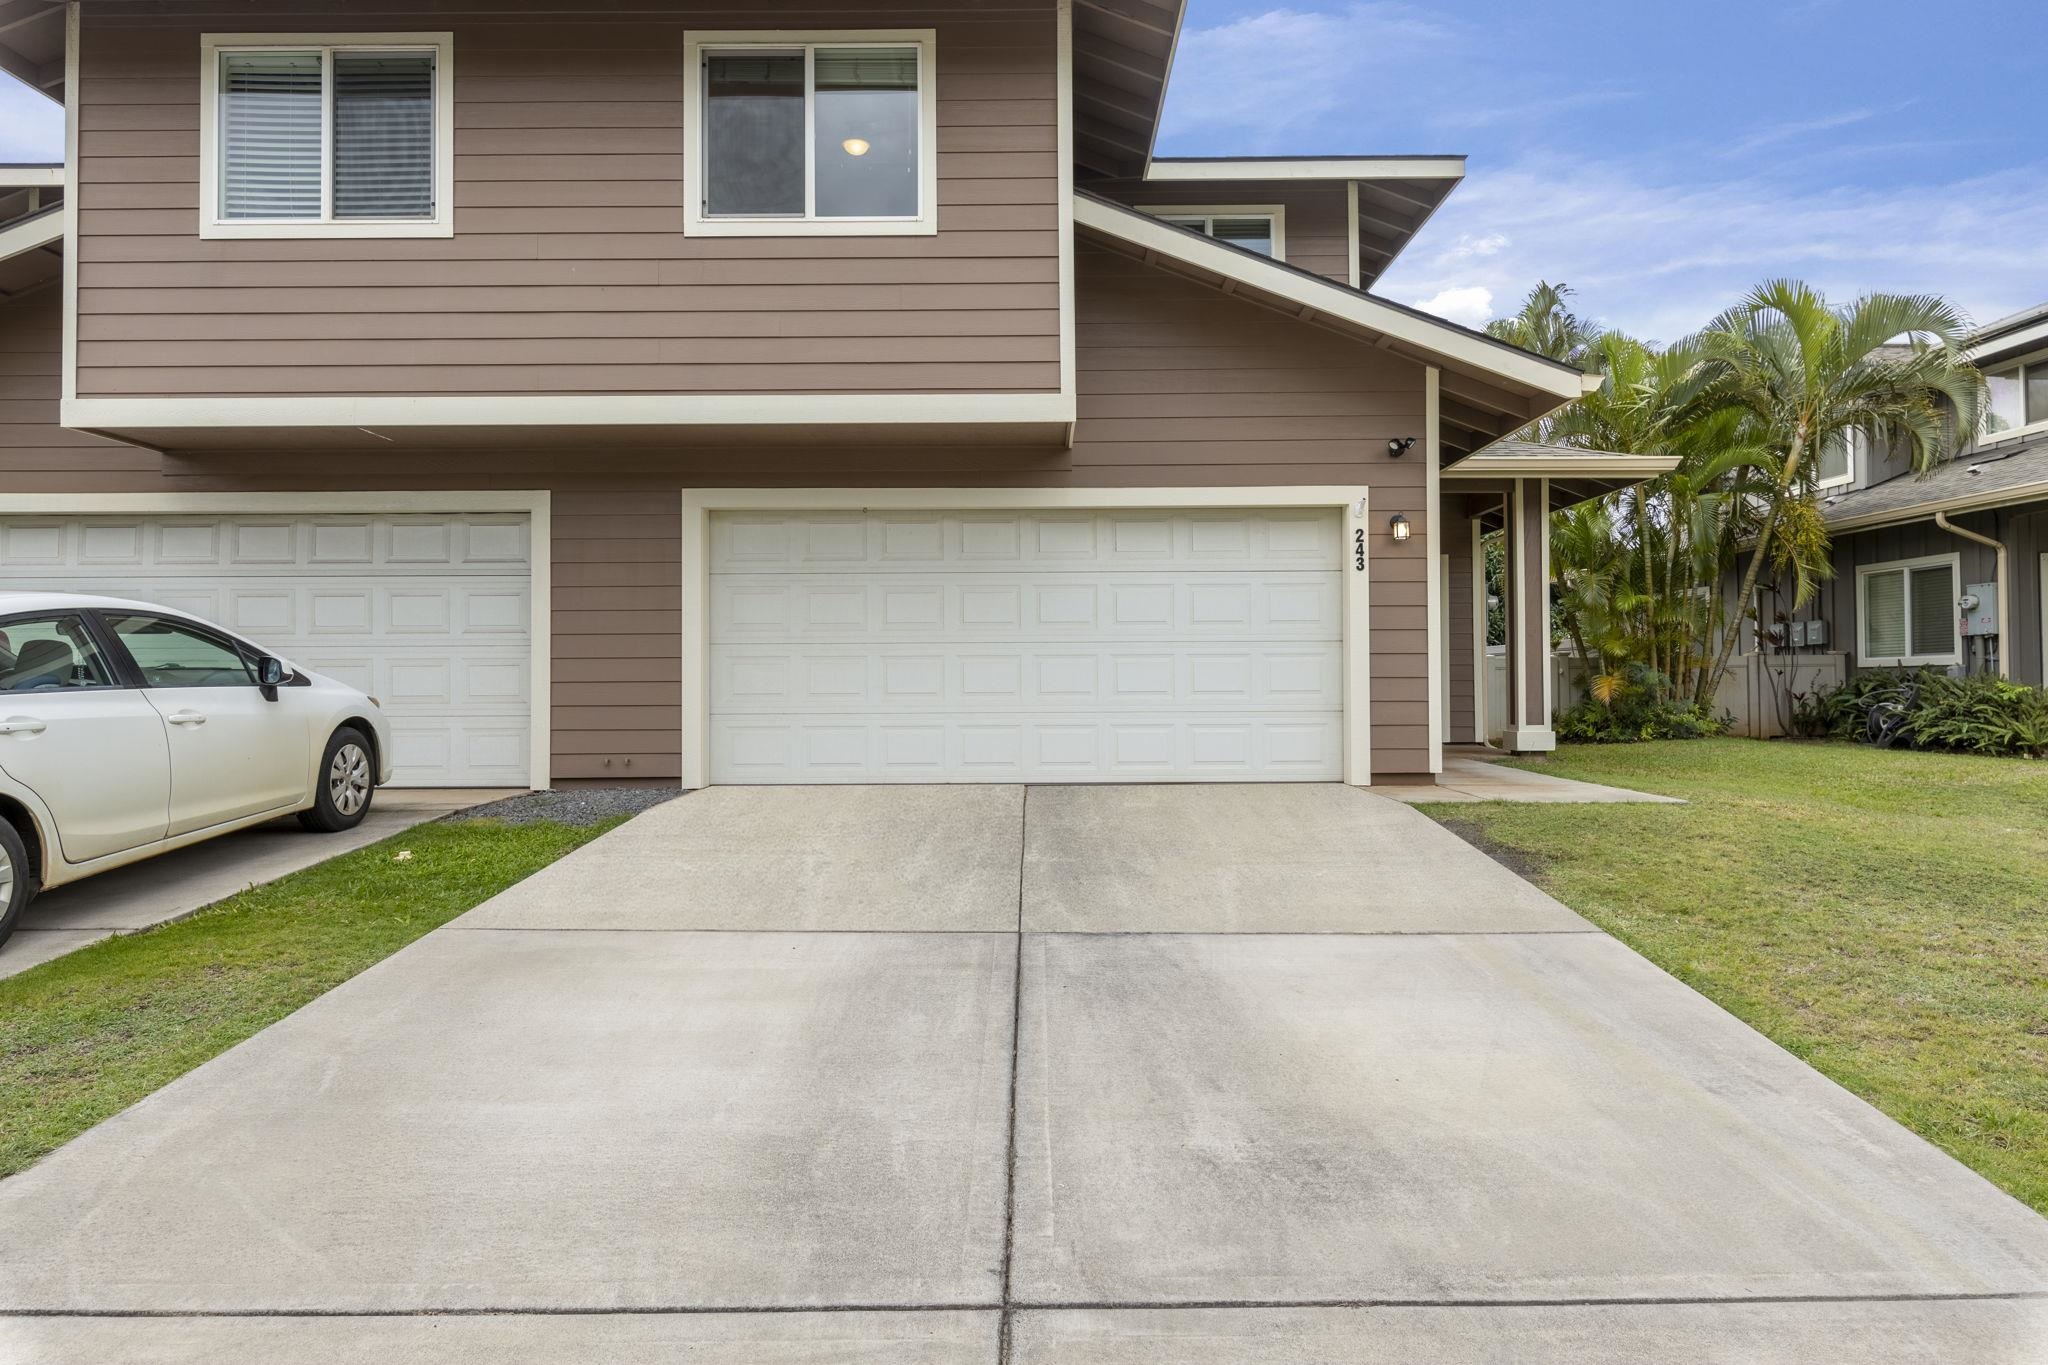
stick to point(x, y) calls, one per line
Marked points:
point(2019, 396)
point(1908, 613)
point(829, 134)
point(1839, 456)
point(1261, 229)
point(326, 136)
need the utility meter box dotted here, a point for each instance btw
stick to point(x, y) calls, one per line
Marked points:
point(1816, 634)
point(1795, 634)
point(1981, 619)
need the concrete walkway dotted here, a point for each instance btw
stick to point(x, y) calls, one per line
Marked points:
point(1465, 778)
point(174, 885)
point(1130, 1075)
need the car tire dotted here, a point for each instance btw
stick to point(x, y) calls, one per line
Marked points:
point(17, 879)
point(343, 784)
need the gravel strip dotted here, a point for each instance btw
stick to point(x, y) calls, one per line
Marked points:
point(571, 806)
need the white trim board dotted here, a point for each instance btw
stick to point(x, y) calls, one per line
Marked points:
point(32, 177)
point(1437, 590)
point(30, 233)
point(1452, 345)
point(1064, 117)
point(72, 29)
point(593, 410)
point(537, 504)
point(1564, 465)
point(1309, 168)
point(698, 505)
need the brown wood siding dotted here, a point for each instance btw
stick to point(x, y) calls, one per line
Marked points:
point(1318, 215)
point(1180, 385)
point(568, 272)
point(1460, 724)
point(35, 453)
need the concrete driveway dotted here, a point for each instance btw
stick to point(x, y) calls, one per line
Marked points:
point(1140, 1074)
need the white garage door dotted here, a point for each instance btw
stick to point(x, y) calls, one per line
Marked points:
point(1034, 646)
point(428, 613)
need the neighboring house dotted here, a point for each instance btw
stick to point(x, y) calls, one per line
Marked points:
point(1951, 570)
point(678, 393)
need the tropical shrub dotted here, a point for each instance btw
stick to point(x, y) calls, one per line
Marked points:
point(1976, 715)
point(1638, 705)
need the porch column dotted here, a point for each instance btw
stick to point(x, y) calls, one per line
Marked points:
point(1529, 699)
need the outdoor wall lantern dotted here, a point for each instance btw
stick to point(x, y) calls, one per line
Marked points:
point(1399, 526)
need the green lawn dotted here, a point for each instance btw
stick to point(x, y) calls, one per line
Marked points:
point(87, 1035)
point(1882, 915)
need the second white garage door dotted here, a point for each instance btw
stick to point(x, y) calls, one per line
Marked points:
point(1032, 646)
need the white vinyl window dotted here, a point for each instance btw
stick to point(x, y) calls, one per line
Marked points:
point(1255, 227)
point(2018, 397)
point(1839, 456)
point(1907, 613)
point(305, 135)
point(830, 134)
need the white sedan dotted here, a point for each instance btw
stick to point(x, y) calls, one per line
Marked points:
point(127, 730)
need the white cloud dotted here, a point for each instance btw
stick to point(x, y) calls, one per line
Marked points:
point(1470, 304)
point(1659, 259)
point(1269, 74)
point(31, 126)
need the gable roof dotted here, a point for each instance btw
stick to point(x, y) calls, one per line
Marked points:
point(1489, 388)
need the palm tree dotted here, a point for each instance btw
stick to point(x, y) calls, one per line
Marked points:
point(1546, 326)
point(1803, 373)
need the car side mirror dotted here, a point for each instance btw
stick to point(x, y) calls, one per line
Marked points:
point(270, 673)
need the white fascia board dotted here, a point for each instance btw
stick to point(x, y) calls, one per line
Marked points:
point(32, 177)
point(1562, 466)
point(2009, 341)
point(1457, 347)
point(1313, 168)
point(569, 410)
point(1974, 502)
point(30, 233)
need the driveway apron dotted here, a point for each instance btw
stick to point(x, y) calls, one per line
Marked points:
point(971, 1074)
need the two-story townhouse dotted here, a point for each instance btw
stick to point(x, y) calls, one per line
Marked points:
point(1945, 570)
point(657, 391)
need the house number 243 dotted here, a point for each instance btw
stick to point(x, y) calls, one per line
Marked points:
point(1358, 549)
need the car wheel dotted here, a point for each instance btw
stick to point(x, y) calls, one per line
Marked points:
point(17, 879)
point(343, 786)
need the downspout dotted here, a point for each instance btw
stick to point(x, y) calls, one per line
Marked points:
point(1999, 577)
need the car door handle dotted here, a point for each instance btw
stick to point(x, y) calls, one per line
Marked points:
point(22, 725)
point(186, 718)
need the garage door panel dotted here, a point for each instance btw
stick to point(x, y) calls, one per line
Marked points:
point(1054, 646)
point(1014, 748)
point(429, 612)
point(912, 542)
point(911, 678)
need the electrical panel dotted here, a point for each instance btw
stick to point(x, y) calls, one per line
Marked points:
point(1795, 634)
point(1816, 634)
point(1980, 618)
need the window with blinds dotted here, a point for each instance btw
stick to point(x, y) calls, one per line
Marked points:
point(1908, 613)
point(330, 135)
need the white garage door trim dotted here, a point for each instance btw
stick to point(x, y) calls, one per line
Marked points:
point(700, 504)
point(533, 502)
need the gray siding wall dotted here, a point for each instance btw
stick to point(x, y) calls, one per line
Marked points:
point(2024, 529)
point(568, 271)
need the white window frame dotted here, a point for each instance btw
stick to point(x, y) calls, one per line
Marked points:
point(2019, 366)
point(1864, 658)
point(696, 223)
point(1275, 213)
point(214, 227)
point(1857, 443)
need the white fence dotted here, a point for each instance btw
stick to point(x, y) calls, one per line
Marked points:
point(1758, 690)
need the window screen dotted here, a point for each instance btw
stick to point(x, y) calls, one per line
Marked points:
point(270, 134)
point(1934, 610)
point(754, 133)
point(1884, 614)
point(383, 135)
point(1253, 234)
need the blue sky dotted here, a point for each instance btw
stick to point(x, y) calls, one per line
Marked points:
point(1660, 157)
